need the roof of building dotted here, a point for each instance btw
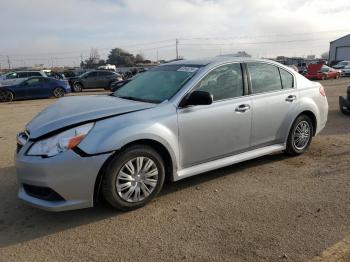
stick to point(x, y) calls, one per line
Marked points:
point(341, 38)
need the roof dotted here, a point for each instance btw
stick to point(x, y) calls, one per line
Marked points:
point(341, 38)
point(215, 60)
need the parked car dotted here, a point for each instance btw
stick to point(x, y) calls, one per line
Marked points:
point(345, 71)
point(13, 78)
point(174, 121)
point(56, 75)
point(94, 79)
point(344, 102)
point(341, 65)
point(118, 84)
point(321, 72)
point(34, 87)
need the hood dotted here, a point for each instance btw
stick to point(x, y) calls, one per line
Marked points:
point(70, 111)
point(314, 68)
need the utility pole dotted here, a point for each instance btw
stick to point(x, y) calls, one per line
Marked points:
point(51, 62)
point(9, 62)
point(177, 48)
point(81, 59)
point(157, 56)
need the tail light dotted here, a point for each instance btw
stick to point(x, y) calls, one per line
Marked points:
point(322, 91)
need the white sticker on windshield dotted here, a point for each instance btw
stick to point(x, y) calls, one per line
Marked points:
point(188, 69)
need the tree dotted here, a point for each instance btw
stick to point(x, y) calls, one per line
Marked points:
point(119, 57)
point(93, 61)
point(139, 58)
point(325, 55)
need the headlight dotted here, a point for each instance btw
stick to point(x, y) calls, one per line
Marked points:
point(61, 142)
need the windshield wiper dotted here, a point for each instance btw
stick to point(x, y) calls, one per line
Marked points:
point(137, 99)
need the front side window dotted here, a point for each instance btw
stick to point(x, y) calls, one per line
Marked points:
point(33, 81)
point(105, 73)
point(34, 74)
point(287, 79)
point(224, 82)
point(22, 74)
point(158, 84)
point(91, 74)
point(264, 77)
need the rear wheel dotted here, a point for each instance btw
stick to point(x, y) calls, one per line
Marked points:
point(324, 77)
point(77, 87)
point(58, 92)
point(133, 178)
point(300, 136)
point(6, 96)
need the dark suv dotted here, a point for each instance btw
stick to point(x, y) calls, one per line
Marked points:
point(94, 79)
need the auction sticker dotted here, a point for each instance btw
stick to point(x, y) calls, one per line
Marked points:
point(188, 69)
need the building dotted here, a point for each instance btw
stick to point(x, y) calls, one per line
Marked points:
point(339, 50)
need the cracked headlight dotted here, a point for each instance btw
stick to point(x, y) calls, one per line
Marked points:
point(61, 142)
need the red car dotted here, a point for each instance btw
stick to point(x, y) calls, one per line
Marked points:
point(321, 72)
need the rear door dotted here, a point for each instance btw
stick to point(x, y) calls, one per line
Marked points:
point(104, 78)
point(274, 103)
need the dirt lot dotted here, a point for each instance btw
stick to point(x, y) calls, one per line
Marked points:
point(274, 208)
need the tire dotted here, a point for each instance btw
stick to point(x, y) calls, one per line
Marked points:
point(77, 87)
point(58, 92)
point(294, 148)
point(337, 76)
point(324, 77)
point(126, 190)
point(6, 96)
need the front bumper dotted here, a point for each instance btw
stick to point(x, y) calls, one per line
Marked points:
point(344, 105)
point(67, 174)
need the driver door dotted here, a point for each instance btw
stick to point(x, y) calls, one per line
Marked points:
point(210, 132)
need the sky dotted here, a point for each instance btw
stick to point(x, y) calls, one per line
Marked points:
point(61, 32)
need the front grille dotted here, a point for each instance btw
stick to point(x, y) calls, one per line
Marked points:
point(44, 193)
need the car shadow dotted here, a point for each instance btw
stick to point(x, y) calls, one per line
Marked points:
point(20, 222)
point(337, 123)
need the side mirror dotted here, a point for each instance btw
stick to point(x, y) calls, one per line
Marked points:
point(197, 98)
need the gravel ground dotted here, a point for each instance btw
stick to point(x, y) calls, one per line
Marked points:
point(274, 208)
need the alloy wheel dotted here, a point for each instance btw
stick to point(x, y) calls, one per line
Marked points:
point(137, 179)
point(301, 135)
point(58, 92)
point(6, 96)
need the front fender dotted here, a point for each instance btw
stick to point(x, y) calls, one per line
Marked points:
point(153, 124)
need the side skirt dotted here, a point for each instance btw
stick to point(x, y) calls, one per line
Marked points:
point(227, 161)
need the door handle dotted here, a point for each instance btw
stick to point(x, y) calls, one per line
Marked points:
point(242, 108)
point(291, 98)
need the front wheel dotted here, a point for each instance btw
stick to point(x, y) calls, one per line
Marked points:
point(6, 96)
point(77, 87)
point(300, 136)
point(133, 178)
point(324, 77)
point(58, 92)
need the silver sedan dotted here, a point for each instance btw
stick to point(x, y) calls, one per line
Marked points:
point(174, 121)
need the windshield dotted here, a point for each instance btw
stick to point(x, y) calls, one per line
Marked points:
point(343, 63)
point(324, 69)
point(158, 84)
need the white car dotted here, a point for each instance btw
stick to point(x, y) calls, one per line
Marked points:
point(345, 71)
point(13, 78)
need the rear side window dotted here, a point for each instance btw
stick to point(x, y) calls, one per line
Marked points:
point(264, 77)
point(287, 79)
point(223, 82)
point(34, 74)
